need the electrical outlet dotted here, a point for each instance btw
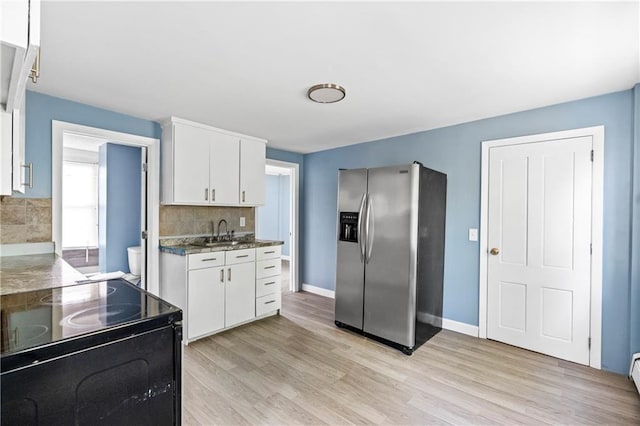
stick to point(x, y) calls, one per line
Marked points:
point(473, 234)
point(242, 222)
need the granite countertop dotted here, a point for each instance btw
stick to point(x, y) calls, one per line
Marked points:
point(35, 272)
point(187, 248)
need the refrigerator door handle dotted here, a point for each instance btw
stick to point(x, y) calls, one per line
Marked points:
point(361, 235)
point(369, 229)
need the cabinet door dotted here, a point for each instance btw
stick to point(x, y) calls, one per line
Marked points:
point(240, 293)
point(252, 181)
point(18, 130)
point(206, 301)
point(224, 169)
point(191, 164)
point(6, 139)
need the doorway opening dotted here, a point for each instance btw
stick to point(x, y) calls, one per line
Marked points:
point(278, 218)
point(105, 197)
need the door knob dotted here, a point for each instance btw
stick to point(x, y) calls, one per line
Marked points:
point(494, 251)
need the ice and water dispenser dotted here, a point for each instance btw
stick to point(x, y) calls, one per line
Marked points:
point(349, 227)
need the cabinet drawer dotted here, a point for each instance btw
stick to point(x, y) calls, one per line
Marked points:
point(268, 303)
point(271, 252)
point(206, 260)
point(240, 256)
point(268, 268)
point(267, 285)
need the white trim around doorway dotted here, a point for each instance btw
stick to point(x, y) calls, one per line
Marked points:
point(294, 250)
point(597, 135)
point(58, 129)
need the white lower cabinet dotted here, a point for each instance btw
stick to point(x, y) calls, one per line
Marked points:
point(206, 312)
point(215, 290)
point(268, 280)
point(240, 294)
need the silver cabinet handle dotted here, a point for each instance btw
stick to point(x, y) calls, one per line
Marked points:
point(242, 255)
point(243, 196)
point(206, 194)
point(221, 275)
point(30, 174)
point(229, 275)
point(361, 234)
point(213, 195)
point(270, 267)
point(269, 252)
point(270, 301)
point(270, 283)
point(208, 260)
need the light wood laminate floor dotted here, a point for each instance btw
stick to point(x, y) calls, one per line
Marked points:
point(298, 368)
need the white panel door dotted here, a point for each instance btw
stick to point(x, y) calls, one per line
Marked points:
point(240, 293)
point(224, 173)
point(539, 238)
point(191, 164)
point(205, 301)
point(252, 176)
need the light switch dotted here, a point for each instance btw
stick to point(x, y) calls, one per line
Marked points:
point(242, 222)
point(473, 234)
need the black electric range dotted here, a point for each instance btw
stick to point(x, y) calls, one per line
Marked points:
point(98, 353)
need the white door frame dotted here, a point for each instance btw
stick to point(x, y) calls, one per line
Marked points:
point(294, 188)
point(597, 135)
point(58, 129)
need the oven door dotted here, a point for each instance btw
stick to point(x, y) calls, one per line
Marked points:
point(135, 380)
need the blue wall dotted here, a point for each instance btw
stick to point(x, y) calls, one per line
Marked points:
point(118, 205)
point(42, 109)
point(273, 217)
point(456, 150)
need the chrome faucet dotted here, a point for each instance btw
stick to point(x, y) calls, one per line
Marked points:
point(226, 228)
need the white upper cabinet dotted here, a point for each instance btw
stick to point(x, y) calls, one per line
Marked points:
point(19, 43)
point(224, 164)
point(252, 175)
point(202, 165)
point(191, 164)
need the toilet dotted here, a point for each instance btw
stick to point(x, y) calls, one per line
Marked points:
point(134, 260)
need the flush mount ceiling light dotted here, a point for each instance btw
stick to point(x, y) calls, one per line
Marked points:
point(326, 93)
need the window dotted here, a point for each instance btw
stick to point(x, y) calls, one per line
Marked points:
point(79, 205)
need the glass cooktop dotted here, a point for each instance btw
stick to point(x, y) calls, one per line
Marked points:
point(44, 317)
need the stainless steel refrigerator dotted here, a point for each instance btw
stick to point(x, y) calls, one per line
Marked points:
point(390, 253)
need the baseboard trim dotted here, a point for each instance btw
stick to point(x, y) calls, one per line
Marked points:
point(460, 327)
point(22, 249)
point(318, 290)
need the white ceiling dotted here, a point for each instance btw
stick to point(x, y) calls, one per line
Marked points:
point(406, 67)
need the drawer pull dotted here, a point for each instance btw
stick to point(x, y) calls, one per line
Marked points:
point(270, 301)
point(270, 267)
point(244, 255)
point(271, 283)
point(269, 252)
point(221, 275)
point(208, 260)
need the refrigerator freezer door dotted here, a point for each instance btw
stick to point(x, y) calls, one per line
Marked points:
point(389, 300)
point(352, 187)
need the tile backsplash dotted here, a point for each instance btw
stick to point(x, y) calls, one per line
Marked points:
point(25, 220)
point(196, 220)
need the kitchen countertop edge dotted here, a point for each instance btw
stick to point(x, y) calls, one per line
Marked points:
point(184, 250)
